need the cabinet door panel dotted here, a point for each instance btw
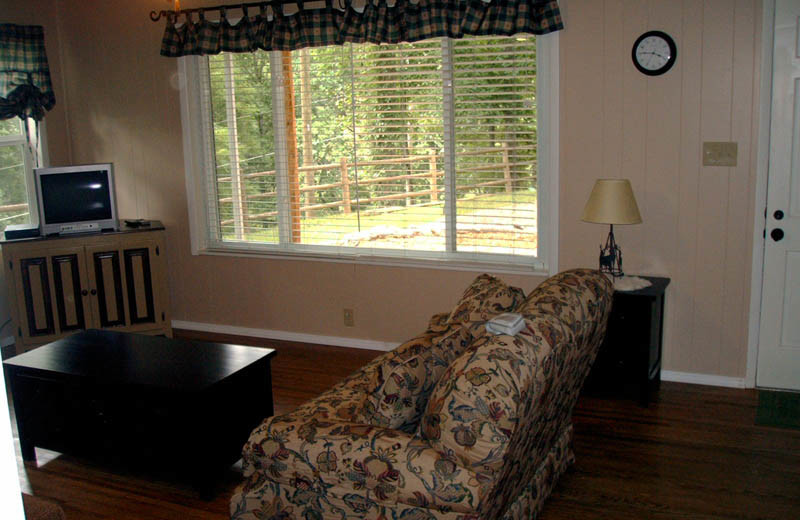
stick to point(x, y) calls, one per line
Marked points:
point(139, 285)
point(69, 300)
point(107, 285)
point(38, 301)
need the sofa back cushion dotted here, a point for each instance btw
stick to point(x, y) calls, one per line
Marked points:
point(486, 297)
point(406, 377)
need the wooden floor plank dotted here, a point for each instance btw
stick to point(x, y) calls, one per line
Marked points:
point(694, 454)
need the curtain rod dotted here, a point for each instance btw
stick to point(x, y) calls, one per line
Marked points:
point(157, 15)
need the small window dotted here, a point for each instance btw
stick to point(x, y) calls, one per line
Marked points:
point(16, 203)
point(422, 151)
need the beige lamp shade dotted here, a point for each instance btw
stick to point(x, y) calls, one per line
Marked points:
point(612, 202)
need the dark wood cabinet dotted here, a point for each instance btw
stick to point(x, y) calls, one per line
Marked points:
point(629, 360)
point(112, 280)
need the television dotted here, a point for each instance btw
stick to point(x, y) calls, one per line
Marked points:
point(76, 199)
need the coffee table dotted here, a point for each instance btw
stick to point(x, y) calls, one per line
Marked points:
point(184, 406)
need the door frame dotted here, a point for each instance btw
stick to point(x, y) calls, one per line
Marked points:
point(762, 180)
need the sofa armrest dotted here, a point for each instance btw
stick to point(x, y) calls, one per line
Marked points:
point(374, 463)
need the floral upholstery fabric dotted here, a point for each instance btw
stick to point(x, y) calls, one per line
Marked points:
point(366, 467)
point(571, 312)
point(485, 298)
point(494, 438)
point(404, 380)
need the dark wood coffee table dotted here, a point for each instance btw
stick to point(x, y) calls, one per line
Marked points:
point(185, 406)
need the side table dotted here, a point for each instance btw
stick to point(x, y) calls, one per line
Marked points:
point(630, 356)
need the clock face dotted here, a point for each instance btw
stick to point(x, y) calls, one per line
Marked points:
point(654, 53)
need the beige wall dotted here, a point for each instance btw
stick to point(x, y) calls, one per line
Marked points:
point(123, 106)
point(615, 122)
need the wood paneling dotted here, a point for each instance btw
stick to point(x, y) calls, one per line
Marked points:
point(694, 453)
point(697, 219)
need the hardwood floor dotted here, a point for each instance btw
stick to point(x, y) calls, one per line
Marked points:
point(694, 453)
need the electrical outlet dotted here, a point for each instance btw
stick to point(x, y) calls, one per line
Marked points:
point(720, 153)
point(349, 318)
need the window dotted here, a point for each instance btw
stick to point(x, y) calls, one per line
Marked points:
point(15, 175)
point(426, 152)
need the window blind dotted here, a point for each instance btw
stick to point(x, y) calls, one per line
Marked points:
point(425, 149)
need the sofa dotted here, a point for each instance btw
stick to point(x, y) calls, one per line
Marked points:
point(454, 424)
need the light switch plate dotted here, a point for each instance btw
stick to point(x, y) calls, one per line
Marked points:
point(717, 153)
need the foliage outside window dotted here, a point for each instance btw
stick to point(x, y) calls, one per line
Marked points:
point(426, 150)
point(15, 173)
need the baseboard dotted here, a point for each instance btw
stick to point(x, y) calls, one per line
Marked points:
point(285, 335)
point(704, 379)
point(336, 341)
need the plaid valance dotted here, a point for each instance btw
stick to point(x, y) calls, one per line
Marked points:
point(374, 21)
point(25, 87)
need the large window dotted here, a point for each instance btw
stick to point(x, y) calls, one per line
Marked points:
point(15, 175)
point(425, 151)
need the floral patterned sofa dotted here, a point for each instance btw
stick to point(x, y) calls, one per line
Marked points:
point(456, 423)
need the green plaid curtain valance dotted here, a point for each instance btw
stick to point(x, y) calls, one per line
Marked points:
point(376, 22)
point(25, 87)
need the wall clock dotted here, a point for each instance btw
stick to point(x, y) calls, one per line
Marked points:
point(654, 53)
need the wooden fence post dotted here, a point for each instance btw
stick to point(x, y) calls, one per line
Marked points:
point(506, 167)
point(291, 146)
point(305, 103)
point(345, 185)
point(432, 169)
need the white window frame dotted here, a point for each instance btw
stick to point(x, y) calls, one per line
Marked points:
point(197, 157)
point(28, 161)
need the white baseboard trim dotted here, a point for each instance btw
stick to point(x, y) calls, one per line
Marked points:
point(704, 379)
point(285, 335)
point(336, 341)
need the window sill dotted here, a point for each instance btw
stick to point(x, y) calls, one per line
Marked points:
point(505, 265)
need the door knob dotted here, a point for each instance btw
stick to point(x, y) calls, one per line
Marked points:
point(778, 214)
point(94, 291)
point(776, 234)
point(84, 292)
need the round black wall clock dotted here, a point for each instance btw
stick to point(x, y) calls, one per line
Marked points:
point(654, 53)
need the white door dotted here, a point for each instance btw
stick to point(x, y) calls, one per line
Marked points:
point(779, 341)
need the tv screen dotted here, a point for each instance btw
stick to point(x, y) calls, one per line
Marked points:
point(76, 199)
point(79, 196)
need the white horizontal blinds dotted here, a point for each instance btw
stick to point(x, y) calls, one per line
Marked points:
point(398, 124)
point(322, 84)
point(495, 145)
point(360, 138)
point(369, 151)
point(245, 188)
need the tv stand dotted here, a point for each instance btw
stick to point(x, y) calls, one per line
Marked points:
point(61, 284)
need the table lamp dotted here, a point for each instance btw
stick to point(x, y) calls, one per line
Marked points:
point(611, 202)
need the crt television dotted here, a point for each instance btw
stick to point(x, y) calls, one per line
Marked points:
point(76, 199)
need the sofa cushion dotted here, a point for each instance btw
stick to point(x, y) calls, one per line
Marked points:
point(486, 297)
point(473, 410)
point(406, 377)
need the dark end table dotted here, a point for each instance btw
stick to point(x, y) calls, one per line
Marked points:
point(629, 360)
point(187, 407)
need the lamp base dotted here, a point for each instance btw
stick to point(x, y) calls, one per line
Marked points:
point(611, 256)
